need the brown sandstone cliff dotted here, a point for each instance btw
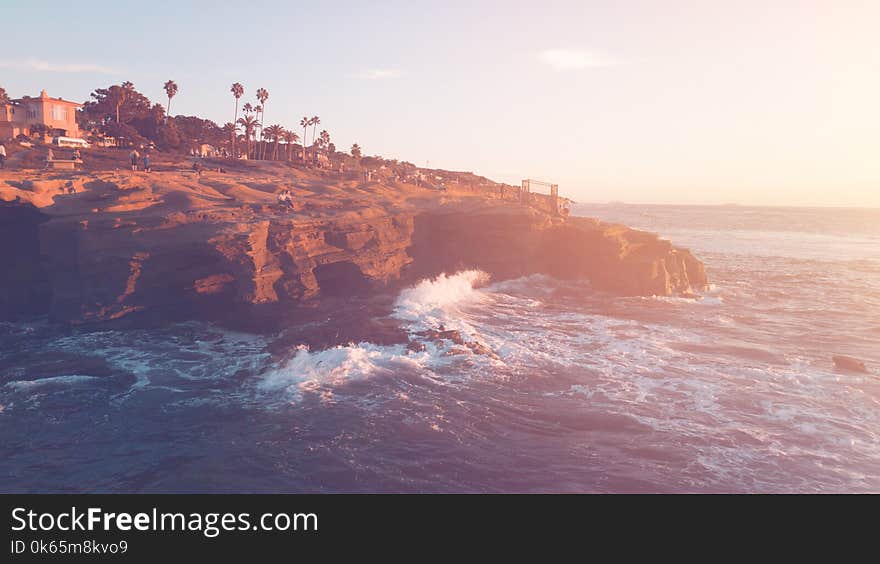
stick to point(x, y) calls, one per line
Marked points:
point(179, 246)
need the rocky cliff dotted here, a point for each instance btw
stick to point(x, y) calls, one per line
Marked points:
point(614, 258)
point(111, 246)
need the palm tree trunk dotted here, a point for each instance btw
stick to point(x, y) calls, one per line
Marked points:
point(168, 113)
point(262, 121)
point(260, 142)
point(315, 149)
point(234, 119)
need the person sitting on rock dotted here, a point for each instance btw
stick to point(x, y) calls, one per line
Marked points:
point(285, 199)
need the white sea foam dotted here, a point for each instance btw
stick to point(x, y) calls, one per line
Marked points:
point(436, 301)
point(635, 367)
point(428, 305)
point(210, 355)
point(67, 380)
point(325, 371)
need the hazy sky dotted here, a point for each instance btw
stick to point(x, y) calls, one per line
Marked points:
point(764, 102)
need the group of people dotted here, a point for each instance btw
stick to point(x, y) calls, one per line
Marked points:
point(136, 158)
point(285, 199)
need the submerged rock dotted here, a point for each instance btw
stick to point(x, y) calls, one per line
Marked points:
point(479, 348)
point(849, 363)
point(455, 336)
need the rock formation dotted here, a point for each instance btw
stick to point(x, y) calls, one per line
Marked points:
point(174, 245)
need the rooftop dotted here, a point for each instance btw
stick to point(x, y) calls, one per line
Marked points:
point(45, 96)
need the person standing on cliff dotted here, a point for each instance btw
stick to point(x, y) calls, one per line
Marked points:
point(146, 161)
point(2, 155)
point(133, 157)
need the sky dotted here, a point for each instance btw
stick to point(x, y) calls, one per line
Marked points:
point(770, 102)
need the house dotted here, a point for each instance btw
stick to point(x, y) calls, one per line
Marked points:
point(205, 150)
point(56, 116)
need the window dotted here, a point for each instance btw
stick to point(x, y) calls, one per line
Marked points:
point(59, 113)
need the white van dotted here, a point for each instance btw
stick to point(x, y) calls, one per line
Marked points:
point(69, 142)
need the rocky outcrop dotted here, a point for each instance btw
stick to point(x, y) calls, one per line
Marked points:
point(24, 279)
point(104, 272)
point(175, 250)
point(614, 258)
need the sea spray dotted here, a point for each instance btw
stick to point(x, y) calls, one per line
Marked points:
point(434, 302)
point(329, 370)
point(429, 304)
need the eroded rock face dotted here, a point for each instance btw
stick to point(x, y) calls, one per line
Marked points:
point(613, 258)
point(182, 251)
point(24, 281)
point(102, 272)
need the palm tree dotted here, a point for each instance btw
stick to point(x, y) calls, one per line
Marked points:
point(249, 123)
point(230, 130)
point(262, 96)
point(275, 133)
point(117, 96)
point(257, 132)
point(305, 122)
point(290, 137)
point(356, 151)
point(237, 91)
point(248, 109)
point(120, 95)
point(258, 111)
point(264, 137)
point(315, 121)
point(171, 90)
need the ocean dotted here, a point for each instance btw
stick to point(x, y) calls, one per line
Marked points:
point(570, 391)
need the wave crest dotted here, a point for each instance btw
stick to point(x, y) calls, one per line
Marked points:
point(434, 302)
